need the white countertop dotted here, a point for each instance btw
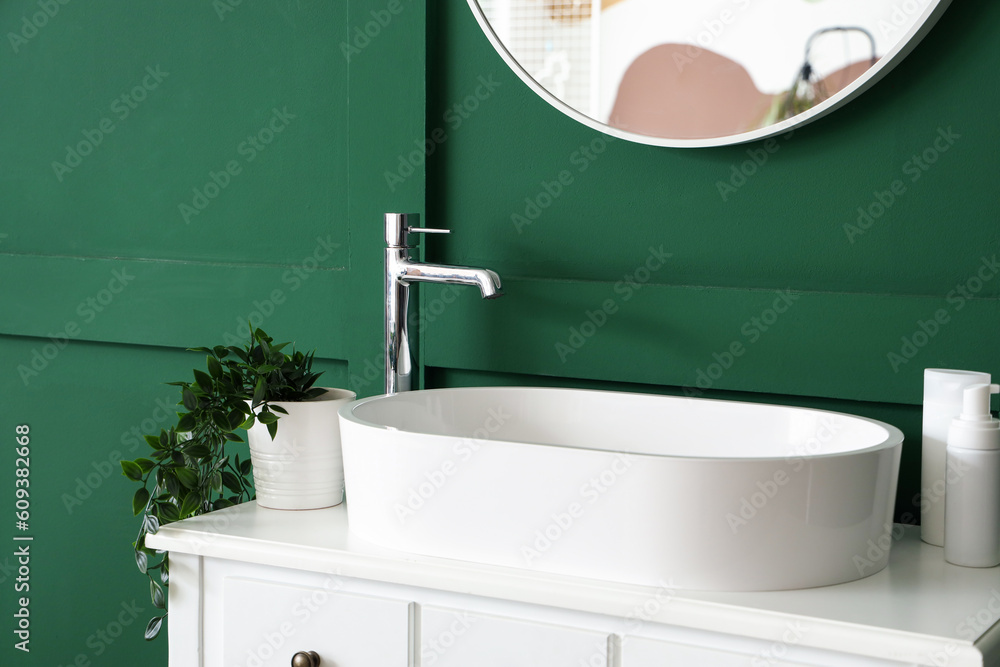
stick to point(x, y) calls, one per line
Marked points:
point(919, 609)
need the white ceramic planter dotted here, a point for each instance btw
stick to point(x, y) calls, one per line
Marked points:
point(302, 468)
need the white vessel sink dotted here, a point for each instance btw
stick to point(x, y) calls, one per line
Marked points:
point(643, 489)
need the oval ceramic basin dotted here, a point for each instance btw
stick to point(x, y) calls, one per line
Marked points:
point(643, 489)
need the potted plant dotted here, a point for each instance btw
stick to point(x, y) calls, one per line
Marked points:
point(189, 471)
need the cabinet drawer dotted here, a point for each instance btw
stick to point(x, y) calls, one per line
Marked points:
point(641, 652)
point(266, 623)
point(459, 638)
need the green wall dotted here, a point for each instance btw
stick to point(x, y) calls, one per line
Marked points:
point(866, 308)
point(108, 277)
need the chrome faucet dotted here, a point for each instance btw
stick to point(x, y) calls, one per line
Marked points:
point(401, 271)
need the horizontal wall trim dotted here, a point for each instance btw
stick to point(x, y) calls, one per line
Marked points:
point(869, 347)
point(174, 304)
point(193, 262)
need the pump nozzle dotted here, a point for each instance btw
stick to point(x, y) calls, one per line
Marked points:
point(976, 402)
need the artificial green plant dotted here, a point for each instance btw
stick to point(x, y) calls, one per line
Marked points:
point(188, 471)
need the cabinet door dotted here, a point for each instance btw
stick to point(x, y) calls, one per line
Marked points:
point(266, 623)
point(460, 638)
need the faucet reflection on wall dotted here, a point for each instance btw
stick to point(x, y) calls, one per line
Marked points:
point(400, 272)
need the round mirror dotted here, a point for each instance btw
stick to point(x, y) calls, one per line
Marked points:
point(709, 73)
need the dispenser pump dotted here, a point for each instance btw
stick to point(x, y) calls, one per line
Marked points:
point(976, 402)
point(976, 417)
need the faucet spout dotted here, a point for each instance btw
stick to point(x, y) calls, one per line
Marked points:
point(488, 282)
point(401, 271)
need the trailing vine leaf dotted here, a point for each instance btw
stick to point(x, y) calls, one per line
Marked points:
point(156, 595)
point(153, 627)
point(188, 472)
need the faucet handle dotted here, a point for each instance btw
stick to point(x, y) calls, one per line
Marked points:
point(398, 226)
point(427, 230)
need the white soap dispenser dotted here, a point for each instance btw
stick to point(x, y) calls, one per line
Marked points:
point(972, 499)
point(942, 403)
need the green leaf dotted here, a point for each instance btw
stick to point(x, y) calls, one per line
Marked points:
point(131, 470)
point(231, 481)
point(141, 560)
point(168, 512)
point(153, 627)
point(246, 467)
point(189, 399)
point(186, 423)
point(249, 422)
point(145, 464)
point(187, 477)
point(258, 392)
point(222, 503)
point(173, 484)
point(232, 437)
point(156, 595)
point(190, 504)
point(198, 451)
point(214, 367)
point(139, 501)
point(278, 408)
point(221, 420)
point(204, 381)
point(235, 418)
point(153, 441)
point(266, 417)
point(272, 429)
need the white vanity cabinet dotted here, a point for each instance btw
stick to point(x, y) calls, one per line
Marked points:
point(251, 587)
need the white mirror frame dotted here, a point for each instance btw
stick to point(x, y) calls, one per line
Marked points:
point(929, 16)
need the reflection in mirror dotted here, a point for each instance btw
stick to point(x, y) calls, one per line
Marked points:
point(702, 70)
